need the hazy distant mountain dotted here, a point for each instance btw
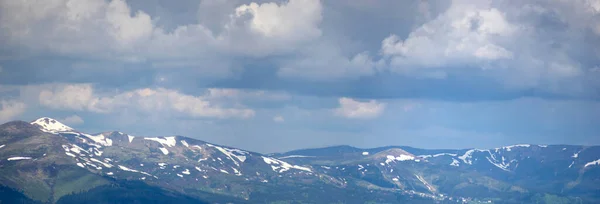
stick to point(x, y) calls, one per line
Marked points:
point(47, 161)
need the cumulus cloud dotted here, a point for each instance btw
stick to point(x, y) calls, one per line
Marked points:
point(504, 38)
point(61, 26)
point(350, 108)
point(70, 97)
point(10, 109)
point(82, 97)
point(466, 32)
point(72, 120)
point(523, 45)
point(293, 21)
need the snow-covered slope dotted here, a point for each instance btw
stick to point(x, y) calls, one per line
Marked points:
point(51, 125)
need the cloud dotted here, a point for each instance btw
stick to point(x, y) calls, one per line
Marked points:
point(72, 120)
point(70, 97)
point(295, 20)
point(278, 119)
point(326, 62)
point(350, 108)
point(463, 34)
point(132, 35)
point(10, 109)
point(82, 97)
point(515, 45)
point(528, 45)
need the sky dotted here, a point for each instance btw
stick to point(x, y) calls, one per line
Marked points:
point(272, 76)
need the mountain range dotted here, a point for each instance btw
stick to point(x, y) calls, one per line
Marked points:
point(45, 161)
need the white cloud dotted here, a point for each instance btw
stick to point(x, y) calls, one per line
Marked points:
point(72, 120)
point(70, 97)
point(350, 108)
point(294, 20)
point(297, 36)
point(150, 101)
point(492, 52)
point(278, 119)
point(464, 33)
point(127, 29)
point(500, 37)
point(10, 109)
point(60, 27)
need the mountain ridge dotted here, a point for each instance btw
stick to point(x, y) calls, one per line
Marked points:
point(203, 170)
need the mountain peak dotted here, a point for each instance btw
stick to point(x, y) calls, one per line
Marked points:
point(51, 125)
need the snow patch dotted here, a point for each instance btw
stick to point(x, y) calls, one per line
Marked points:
point(236, 172)
point(573, 162)
point(135, 171)
point(576, 154)
point(80, 165)
point(437, 155)
point(184, 143)
point(402, 157)
point(103, 163)
point(466, 158)
point(77, 149)
point(455, 162)
point(51, 125)
point(100, 139)
point(164, 150)
point(281, 166)
point(17, 158)
point(429, 187)
point(168, 141)
point(130, 137)
point(502, 166)
point(128, 169)
point(69, 154)
point(509, 148)
point(365, 153)
point(597, 162)
point(231, 153)
point(109, 173)
point(2, 146)
point(186, 172)
point(294, 156)
point(98, 152)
